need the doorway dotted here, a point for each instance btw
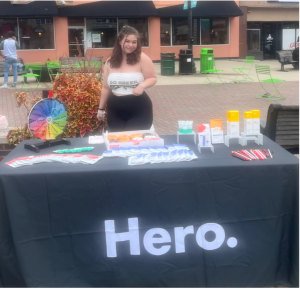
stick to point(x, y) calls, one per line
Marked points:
point(271, 39)
point(76, 33)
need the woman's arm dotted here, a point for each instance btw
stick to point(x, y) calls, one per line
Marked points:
point(105, 88)
point(104, 93)
point(149, 73)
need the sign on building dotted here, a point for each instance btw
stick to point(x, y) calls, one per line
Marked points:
point(288, 39)
point(21, 1)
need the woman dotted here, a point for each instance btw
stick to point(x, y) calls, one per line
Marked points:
point(127, 73)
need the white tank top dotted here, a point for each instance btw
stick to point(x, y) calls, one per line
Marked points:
point(124, 83)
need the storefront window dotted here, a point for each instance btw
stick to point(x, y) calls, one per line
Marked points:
point(165, 32)
point(180, 31)
point(7, 25)
point(140, 24)
point(214, 31)
point(75, 21)
point(253, 25)
point(288, 25)
point(36, 33)
point(196, 31)
point(253, 39)
point(101, 32)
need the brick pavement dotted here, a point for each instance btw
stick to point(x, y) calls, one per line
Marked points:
point(196, 102)
point(201, 103)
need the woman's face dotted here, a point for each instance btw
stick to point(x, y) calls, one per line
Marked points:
point(129, 43)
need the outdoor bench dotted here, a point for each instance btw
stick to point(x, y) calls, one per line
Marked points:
point(282, 125)
point(285, 57)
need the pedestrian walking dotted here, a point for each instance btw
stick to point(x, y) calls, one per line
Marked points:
point(9, 47)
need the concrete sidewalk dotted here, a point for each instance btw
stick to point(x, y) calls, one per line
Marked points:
point(228, 73)
point(226, 65)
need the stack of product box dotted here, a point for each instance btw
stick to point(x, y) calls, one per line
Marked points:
point(252, 122)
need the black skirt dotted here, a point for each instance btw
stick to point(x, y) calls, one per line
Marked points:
point(129, 112)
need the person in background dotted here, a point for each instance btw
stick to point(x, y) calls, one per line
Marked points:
point(127, 73)
point(9, 47)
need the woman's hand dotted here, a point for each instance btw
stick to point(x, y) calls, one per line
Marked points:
point(101, 115)
point(138, 90)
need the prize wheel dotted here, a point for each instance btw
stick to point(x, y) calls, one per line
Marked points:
point(47, 119)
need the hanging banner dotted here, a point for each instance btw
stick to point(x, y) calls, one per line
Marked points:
point(21, 1)
point(193, 4)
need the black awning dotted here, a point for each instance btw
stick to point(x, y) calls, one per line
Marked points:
point(111, 9)
point(204, 9)
point(36, 8)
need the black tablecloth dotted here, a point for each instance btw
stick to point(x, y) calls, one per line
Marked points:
point(56, 220)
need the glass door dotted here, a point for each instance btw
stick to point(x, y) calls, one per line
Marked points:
point(76, 39)
point(253, 39)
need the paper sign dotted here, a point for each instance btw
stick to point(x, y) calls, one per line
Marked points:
point(96, 37)
point(89, 40)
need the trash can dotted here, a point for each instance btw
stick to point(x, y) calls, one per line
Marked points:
point(185, 61)
point(207, 60)
point(167, 63)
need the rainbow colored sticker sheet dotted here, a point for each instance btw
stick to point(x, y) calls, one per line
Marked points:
point(47, 119)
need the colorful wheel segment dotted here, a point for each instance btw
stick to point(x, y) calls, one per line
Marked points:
point(47, 119)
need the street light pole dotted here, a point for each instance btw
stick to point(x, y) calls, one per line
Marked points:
point(190, 25)
point(190, 29)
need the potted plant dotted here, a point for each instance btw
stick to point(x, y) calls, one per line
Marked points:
point(80, 91)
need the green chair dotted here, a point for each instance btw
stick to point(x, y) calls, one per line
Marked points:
point(35, 70)
point(265, 79)
point(51, 66)
point(213, 80)
point(243, 72)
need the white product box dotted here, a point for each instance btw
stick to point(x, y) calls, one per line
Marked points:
point(143, 143)
point(248, 125)
point(216, 129)
point(233, 129)
point(256, 125)
point(204, 135)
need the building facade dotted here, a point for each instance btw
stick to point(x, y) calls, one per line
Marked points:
point(51, 31)
point(267, 27)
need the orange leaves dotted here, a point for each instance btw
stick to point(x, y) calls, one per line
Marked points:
point(80, 92)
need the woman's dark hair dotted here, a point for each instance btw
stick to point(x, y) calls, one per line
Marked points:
point(132, 58)
point(10, 34)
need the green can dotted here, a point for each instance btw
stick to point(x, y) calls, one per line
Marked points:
point(167, 64)
point(207, 60)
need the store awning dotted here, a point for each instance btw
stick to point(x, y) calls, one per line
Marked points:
point(111, 9)
point(203, 9)
point(33, 9)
